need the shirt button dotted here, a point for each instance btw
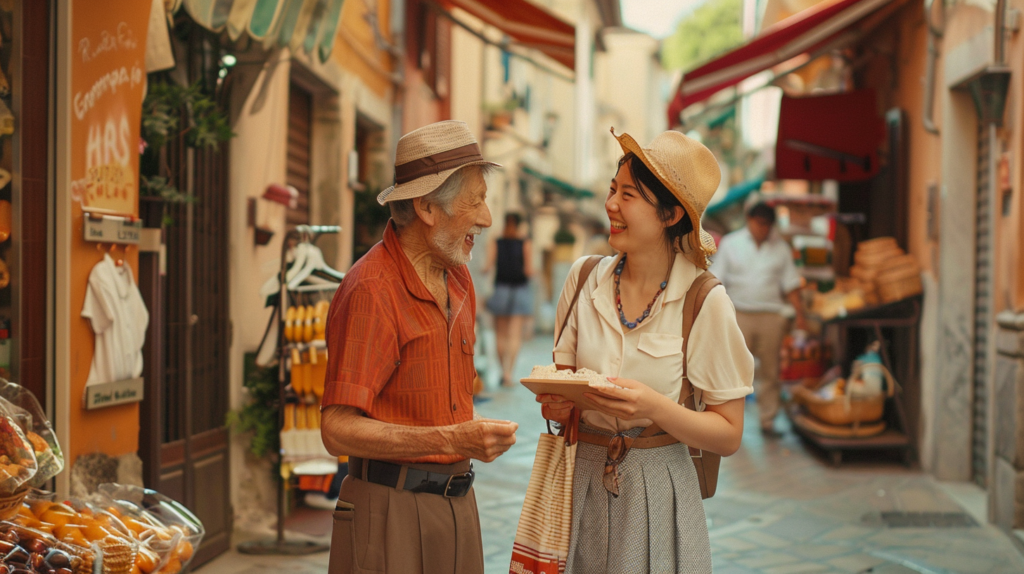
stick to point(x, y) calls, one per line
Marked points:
point(455, 407)
point(463, 341)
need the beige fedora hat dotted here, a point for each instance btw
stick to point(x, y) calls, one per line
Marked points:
point(428, 156)
point(690, 171)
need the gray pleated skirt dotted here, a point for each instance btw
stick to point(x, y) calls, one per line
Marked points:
point(655, 525)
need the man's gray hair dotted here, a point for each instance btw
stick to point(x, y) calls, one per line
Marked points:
point(404, 212)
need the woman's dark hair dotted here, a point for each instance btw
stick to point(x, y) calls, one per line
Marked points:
point(664, 201)
point(513, 218)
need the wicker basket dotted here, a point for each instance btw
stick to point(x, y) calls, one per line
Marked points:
point(897, 262)
point(118, 556)
point(900, 289)
point(10, 504)
point(873, 260)
point(849, 408)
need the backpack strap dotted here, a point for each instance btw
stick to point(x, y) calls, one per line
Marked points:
point(581, 280)
point(692, 305)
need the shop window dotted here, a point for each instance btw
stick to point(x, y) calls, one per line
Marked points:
point(300, 137)
point(435, 51)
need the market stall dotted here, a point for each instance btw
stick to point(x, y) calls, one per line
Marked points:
point(118, 529)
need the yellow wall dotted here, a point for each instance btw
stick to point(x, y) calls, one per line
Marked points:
point(355, 47)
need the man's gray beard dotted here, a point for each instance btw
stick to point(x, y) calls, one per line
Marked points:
point(450, 247)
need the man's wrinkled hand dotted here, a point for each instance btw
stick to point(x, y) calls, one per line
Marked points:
point(484, 439)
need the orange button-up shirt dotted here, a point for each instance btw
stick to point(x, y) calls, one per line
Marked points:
point(392, 351)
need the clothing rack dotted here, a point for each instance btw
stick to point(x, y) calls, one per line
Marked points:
point(301, 234)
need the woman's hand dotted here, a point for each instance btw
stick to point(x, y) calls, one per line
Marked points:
point(555, 408)
point(634, 401)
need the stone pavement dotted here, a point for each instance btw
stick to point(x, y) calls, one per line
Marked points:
point(779, 509)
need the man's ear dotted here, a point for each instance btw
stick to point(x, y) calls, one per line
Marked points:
point(426, 211)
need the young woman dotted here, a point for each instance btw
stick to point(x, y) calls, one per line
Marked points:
point(628, 324)
point(512, 301)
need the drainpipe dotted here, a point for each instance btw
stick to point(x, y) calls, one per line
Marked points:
point(934, 33)
point(398, 17)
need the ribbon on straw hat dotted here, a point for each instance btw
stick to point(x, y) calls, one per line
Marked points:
point(428, 156)
point(690, 171)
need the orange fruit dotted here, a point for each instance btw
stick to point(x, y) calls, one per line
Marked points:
point(94, 532)
point(184, 550)
point(147, 560)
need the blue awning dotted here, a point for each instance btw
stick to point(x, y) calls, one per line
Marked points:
point(301, 25)
point(736, 194)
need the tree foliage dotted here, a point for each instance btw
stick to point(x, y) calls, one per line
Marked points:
point(711, 29)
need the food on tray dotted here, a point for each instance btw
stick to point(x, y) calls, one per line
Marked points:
point(592, 378)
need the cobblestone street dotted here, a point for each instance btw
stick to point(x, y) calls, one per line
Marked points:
point(779, 509)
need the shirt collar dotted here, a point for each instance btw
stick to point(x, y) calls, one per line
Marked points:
point(458, 277)
point(679, 280)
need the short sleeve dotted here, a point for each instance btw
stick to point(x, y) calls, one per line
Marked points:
point(719, 363)
point(565, 342)
point(95, 309)
point(790, 276)
point(362, 346)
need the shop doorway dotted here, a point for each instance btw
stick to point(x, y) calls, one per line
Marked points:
point(183, 442)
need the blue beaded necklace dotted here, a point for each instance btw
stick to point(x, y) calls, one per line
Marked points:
point(618, 298)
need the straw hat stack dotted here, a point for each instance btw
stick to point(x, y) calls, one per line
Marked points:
point(885, 272)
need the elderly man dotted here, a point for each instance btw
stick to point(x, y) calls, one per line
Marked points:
point(399, 391)
point(756, 267)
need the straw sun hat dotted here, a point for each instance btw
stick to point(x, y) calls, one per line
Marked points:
point(428, 156)
point(690, 171)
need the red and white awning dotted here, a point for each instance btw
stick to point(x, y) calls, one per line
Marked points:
point(528, 24)
point(820, 26)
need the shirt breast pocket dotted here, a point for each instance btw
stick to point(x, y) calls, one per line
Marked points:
point(662, 353)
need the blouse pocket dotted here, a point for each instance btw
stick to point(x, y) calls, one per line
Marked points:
point(659, 345)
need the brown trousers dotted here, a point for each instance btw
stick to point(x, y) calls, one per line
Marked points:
point(763, 333)
point(383, 530)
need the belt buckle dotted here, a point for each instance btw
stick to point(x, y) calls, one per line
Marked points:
point(458, 485)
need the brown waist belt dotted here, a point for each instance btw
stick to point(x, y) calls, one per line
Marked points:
point(655, 441)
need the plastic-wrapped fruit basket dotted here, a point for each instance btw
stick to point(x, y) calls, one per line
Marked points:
point(17, 462)
point(31, 418)
point(159, 510)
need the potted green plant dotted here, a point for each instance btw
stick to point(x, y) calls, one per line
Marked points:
point(171, 111)
point(564, 242)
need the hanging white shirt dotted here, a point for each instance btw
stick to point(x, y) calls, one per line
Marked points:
point(756, 277)
point(720, 366)
point(119, 319)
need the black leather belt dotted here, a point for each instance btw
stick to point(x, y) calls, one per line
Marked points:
point(416, 480)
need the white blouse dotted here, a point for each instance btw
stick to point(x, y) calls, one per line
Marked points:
point(720, 366)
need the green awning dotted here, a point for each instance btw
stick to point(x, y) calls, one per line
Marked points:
point(736, 194)
point(301, 25)
point(562, 187)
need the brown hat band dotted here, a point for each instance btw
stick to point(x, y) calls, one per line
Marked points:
point(436, 163)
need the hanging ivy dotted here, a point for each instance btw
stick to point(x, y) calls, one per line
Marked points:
point(169, 111)
point(259, 415)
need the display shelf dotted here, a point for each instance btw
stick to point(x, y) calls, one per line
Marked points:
point(898, 436)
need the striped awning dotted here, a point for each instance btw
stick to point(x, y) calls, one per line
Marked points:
point(302, 25)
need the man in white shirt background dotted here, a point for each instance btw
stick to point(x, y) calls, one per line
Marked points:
point(756, 266)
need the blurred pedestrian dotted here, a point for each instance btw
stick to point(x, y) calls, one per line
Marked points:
point(399, 393)
point(598, 242)
point(512, 300)
point(645, 514)
point(756, 266)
